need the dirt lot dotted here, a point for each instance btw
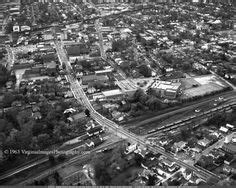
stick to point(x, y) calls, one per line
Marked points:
point(204, 85)
point(201, 90)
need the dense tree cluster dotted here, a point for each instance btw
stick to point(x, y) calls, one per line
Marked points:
point(21, 131)
point(109, 165)
point(5, 76)
point(140, 102)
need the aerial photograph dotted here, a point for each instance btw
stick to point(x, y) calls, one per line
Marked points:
point(118, 93)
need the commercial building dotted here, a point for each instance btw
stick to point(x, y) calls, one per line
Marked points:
point(112, 94)
point(166, 89)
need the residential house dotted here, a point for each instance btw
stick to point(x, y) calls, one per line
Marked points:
point(131, 148)
point(187, 173)
point(229, 126)
point(204, 142)
point(94, 142)
point(224, 129)
point(37, 115)
point(95, 131)
point(169, 164)
point(178, 146)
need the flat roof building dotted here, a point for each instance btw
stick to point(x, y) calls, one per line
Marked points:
point(166, 89)
point(112, 94)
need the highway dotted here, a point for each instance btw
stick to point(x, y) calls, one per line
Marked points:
point(79, 94)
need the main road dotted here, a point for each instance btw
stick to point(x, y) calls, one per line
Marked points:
point(120, 131)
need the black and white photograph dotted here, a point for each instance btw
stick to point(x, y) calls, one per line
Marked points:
point(118, 93)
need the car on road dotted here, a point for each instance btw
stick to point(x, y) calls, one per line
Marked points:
point(197, 110)
point(215, 104)
point(221, 98)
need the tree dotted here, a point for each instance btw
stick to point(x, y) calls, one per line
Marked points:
point(43, 140)
point(153, 103)
point(187, 65)
point(51, 159)
point(118, 46)
point(9, 27)
point(64, 66)
point(184, 133)
point(11, 116)
point(61, 157)
point(145, 70)
point(151, 180)
point(192, 142)
point(58, 178)
point(87, 112)
point(4, 75)
point(138, 159)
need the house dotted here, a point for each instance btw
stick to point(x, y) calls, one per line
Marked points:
point(37, 115)
point(69, 110)
point(116, 114)
point(90, 125)
point(91, 90)
point(95, 131)
point(164, 142)
point(227, 169)
point(204, 142)
point(178, 146)
point(229, 126)
point(215, 155)
point(223, 129)
point(9, 84)
point(70, 120)
point(35, 108)
point(130, 148)
point(195, 150)
point(94, 142)
point(16, 104)
point(216, 134)
point(195, 180)
point(68, 94)
point(167, 162)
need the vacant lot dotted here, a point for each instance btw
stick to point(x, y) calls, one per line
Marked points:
point(203, 85)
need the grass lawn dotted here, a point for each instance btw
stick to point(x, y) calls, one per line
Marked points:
point(127, 176)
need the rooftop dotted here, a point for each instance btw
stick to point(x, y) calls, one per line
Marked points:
point(165, 85)
point(112, 92)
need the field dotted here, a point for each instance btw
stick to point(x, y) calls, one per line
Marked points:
point(203, 85)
